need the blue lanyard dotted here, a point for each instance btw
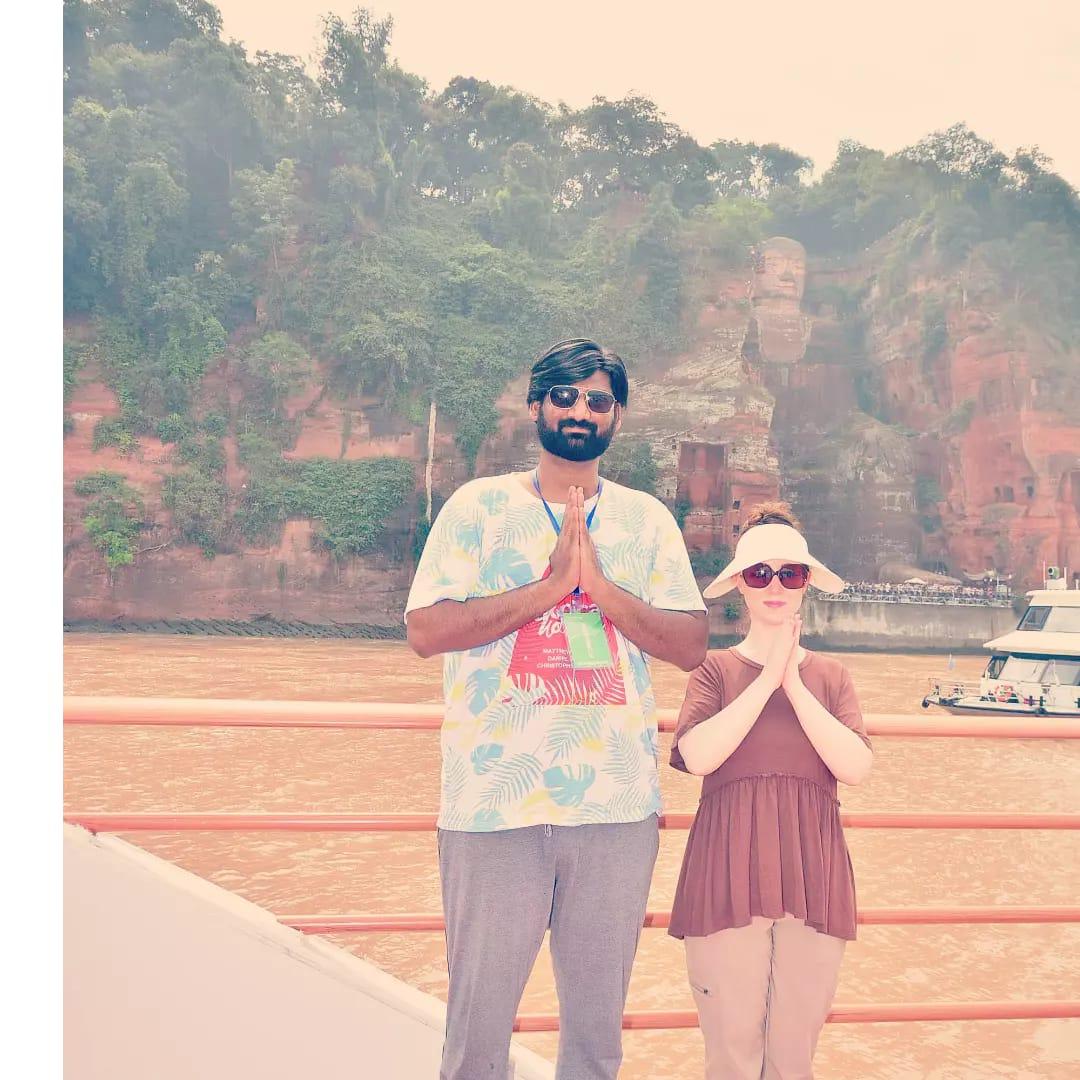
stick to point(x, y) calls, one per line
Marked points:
point(553, 519)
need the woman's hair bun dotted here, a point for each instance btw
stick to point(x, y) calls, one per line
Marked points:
point(772, 513)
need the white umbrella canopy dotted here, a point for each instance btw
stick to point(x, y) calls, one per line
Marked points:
point(895, 573)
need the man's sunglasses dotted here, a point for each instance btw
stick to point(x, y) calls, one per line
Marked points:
point(791, 575)
point(565, 397)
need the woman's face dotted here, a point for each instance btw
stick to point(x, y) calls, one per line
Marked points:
point(773, 604)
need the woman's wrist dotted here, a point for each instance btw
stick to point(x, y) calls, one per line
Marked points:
point(797, 690)
point(769, 681)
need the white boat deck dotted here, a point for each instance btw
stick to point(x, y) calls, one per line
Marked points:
point(171, 977)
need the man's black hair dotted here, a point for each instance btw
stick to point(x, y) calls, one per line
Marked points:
point(571, 361)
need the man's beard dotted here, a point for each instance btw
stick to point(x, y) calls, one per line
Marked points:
point(580, 447)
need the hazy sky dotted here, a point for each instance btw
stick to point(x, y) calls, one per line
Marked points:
point(801, 74)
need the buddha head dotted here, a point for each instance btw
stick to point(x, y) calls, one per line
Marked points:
point(780, 271)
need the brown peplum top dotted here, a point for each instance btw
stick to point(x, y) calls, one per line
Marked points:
point(766, 839)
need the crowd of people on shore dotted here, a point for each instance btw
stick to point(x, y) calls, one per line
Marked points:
point(988, 594)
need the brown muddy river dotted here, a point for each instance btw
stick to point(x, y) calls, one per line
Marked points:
point(148, 769)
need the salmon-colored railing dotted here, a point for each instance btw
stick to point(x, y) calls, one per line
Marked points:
point(852, 1014)
point(382, 716)
point(270, 822)
point(910, 916)
point(175, 712)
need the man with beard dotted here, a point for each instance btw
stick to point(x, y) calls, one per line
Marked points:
point(548, 592)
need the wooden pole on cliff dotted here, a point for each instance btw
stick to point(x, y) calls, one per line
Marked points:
point(430, 457)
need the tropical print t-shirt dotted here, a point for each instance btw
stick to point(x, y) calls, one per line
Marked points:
point(527, 738)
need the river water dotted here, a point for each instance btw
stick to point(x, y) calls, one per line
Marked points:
point(177, 769)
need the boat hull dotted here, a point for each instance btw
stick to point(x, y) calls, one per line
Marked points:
point(996, 708)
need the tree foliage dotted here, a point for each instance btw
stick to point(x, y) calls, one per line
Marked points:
point(361, 228)
point(113, 518)
point(630, 462)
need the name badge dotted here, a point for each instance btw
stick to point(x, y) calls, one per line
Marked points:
point(589, 648)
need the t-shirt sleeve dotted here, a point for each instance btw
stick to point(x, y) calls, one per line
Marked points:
point(704, 698)
point(846, 706)
point(449, 567)
point(671, 584)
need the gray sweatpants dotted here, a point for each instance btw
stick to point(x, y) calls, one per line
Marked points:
point(501, 891)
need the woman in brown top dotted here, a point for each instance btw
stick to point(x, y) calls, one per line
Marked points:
point(766, 899)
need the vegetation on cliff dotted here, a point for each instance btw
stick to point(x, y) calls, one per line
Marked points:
point(113, 517)
point(354, 225)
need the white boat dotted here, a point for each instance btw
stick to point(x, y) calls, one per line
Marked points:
point(1033, 670)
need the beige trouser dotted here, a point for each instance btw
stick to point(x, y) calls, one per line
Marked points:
point(763, 992)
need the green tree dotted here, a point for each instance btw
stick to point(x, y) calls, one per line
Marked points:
point(522, 211)
point(145, 232)
point(187, 335)
point(630, 462)
point(276, 366)
point(958, 151)
point(80, 21)
point(212, 103)
point(475, 125)
point(153, 25)
point(748, 170)
point(384, 352)
point(198, 502)
point(284, 100)
point(113, 518)
point(265, 209)
point(614, 147)
point(656, 253)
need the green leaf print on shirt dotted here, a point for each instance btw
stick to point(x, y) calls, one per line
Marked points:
point(640, 669)
point(629, 557)
point(505, 569)
point(453, 529)
point(633, 518)
point(648, 740)
point(486, 821)
point(466, 535)
point(481, 686)
point(514, 713)
point(677, 587)
point(512, 779)
point(567, 785)
point(623, 761)
point(626, 806)
point(455, 775)
point(484, 756)
point(571, 727)
point(519, 526)
point(493, 501)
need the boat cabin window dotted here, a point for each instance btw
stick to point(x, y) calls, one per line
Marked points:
point(1063, 619)
point(1023, 669)
point(1062, 673)
point(993, 669)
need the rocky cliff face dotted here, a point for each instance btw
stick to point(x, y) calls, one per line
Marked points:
point(947, 450)
point(997, 444)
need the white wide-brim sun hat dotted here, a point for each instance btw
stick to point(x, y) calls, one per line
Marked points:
point(771, 543)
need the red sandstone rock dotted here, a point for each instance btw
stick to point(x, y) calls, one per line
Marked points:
point(762, 402)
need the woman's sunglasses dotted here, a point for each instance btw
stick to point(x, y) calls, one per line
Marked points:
point(791, 575)
point(565, 397)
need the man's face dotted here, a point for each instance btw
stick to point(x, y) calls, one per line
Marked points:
point(577, 433)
